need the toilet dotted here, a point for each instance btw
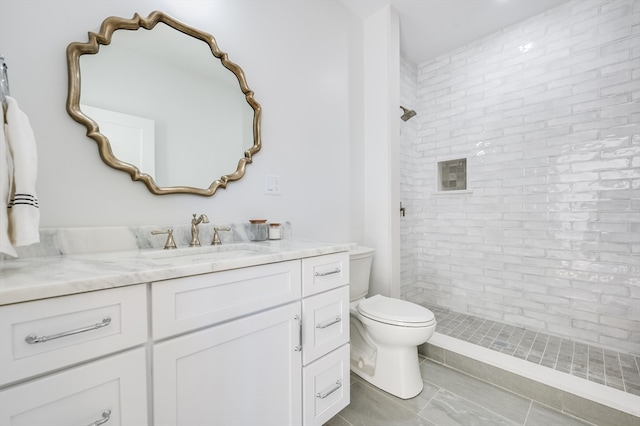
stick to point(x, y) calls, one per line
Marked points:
point(385, 333)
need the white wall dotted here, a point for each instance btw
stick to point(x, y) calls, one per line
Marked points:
point(548, 239)
point(297, 59)
point(381, 148)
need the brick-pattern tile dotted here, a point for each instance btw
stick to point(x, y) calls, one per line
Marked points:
point(545, 236)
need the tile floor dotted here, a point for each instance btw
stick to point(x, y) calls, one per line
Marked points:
point(615, 369)
point(449, 397)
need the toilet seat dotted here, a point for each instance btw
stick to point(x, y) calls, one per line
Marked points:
point(396, 312)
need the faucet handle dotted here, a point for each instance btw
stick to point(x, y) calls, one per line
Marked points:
point(216, 237)
point(170, 244)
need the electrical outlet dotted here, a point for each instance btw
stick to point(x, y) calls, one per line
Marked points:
point(273, 185)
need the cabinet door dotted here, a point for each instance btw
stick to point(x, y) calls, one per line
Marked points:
point(244, 372)
point(112, 390)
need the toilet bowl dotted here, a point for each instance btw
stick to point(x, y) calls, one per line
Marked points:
point(385, 333)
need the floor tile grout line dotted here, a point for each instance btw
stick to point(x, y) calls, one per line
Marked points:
point(604, 368)
point(588, 361)
point(484, 321)
point(532, 401)
point(452, 320)
point(491, 337)
point(495, 338)
point(538, 336)
point(544, 351)
point(345, 420)
point(555, 364)
point(573, 358)
point(440, 388)
point(635, 361)
point(624, 384)
point(617, 364)
point(518, 345)
point(469, 326)
point(475, 403)
point(526, 418)
point(483, 335)
point(475, 331)
point(526, 358)
point(546, 345)
point(392, 398)
point(498, 334)
point(573, 348)
point(429, 401)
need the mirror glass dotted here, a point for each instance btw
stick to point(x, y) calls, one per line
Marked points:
point(164, 104)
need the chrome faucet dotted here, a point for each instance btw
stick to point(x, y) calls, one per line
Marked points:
point(216, 237)
point(170, 244)
point(195, 242)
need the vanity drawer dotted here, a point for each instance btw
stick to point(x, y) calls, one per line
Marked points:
point(189, 303)
point(70, 329)
point(112, 389)
point(326, 387)
point(324, 273)
point(325, 323)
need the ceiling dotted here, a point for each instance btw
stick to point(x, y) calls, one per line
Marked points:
point(429, 28)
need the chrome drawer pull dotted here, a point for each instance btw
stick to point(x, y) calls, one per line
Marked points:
point(32, 338)
point(329, 323)
point(106, 415)
point(324, 274)
point(298, 347)
point(323, 395)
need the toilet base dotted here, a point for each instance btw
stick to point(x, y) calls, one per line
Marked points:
point(396, 371)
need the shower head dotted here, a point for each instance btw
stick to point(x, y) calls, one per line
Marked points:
point(408, 113)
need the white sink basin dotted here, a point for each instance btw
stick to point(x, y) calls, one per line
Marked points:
point(192, 255)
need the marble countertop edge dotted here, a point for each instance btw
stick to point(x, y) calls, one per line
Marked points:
point(23, 280)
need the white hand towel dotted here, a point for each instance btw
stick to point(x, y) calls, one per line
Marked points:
point(24, 212)
point(6, 173)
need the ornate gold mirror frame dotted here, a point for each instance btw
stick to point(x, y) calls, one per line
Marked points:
point(109, 26)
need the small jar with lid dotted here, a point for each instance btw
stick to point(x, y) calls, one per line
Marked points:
point(258, 230)
point(275, 232)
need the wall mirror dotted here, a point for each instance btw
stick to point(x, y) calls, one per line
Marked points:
point(164, 104)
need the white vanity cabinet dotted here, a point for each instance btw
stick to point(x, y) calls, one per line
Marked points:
point(325, 310)
point(67, 360)
point(264, 344)
point(229, 346)
point(236, 359)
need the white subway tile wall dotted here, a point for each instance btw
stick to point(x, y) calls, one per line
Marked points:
point(547, 237)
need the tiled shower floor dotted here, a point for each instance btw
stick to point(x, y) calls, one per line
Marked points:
point(614, 369)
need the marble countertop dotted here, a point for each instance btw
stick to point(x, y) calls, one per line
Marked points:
point(35, 278)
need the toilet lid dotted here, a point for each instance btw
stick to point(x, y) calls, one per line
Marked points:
point(395, 311)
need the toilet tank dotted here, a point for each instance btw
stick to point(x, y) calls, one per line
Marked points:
point(359, 271)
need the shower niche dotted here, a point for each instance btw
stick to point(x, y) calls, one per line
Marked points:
point(452, 175)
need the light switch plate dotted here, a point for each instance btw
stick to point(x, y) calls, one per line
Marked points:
point(273, 185)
